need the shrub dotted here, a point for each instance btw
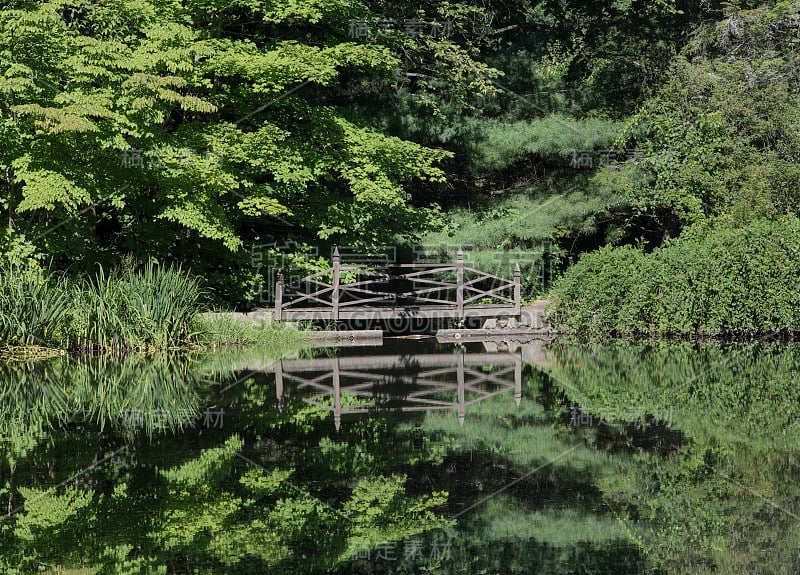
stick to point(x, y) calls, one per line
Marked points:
point(152, 307)
point(731, 280)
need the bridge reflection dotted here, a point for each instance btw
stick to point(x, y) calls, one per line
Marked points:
point(399, 383)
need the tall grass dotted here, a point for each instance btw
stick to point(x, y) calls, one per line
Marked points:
point(152, 307)
point(220, 330)
point(128, 309)
point(133, 309)
point(32, 308)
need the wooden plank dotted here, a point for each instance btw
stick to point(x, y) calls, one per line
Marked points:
point(279, 296)
point(460, 282)
point(470, 283)
point(306, 295)
point(442, 287)
point(423, 266)
point(335, 292)
point(461, 393)
point(500, 335)
point(490, 293)
point(361, 302)
point(357, 285)
point(437, 283)
point(428, 300)
point(311, 298)
point(349, 289)
point(399, 312)
point(495, 378)
point(371, 336)
point(429, 275)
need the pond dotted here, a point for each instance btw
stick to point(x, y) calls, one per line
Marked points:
point(410, 457)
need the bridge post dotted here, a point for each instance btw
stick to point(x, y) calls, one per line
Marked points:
point(461, 390)
point(337, 397)
point(517, 290)
point(335, 292)
point(460, 282)
point(279, 384)
point(278, 296)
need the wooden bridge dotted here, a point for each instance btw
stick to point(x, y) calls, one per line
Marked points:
point(402, 291)
point(430, 382)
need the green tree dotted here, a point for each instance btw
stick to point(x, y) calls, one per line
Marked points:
point(161, 130)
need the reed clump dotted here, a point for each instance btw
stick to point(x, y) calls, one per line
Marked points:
point(149, 307)
point(33, 307)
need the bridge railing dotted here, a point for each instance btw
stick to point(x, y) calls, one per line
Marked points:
point(428, 382)
point(422, 284)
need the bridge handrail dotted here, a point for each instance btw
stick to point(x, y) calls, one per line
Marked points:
point(344, 294)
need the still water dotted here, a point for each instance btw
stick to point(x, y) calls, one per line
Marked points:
point(410, 457)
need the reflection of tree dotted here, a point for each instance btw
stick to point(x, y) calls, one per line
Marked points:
point(527, 500)
point(281, 491)
point(208, 503)
point(719, 483)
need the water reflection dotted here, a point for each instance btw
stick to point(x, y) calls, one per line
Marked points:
point(400, 383)
point(99, 391)
point(412, 457)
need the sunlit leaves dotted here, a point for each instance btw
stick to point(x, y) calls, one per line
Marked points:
point(380, 511)
point(45, 189)
point(197, 475)
point(211, 133)
point(311, 11)
point(46, 510)
point(723, 125)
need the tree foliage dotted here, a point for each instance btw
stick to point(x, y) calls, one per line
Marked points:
point(160, 129)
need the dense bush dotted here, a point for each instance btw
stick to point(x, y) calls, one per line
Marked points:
point(720, 136)
point(731, 280)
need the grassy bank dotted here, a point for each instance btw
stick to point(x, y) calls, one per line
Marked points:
point(130, 309)
point(227, 331)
